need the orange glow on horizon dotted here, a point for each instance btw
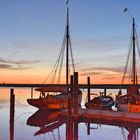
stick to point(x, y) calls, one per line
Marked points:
point(38, 79)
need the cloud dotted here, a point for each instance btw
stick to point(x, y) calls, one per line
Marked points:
point(89, 73)
point(19, 62)
point(13, 67)
point(5, 66)
point(17, 65)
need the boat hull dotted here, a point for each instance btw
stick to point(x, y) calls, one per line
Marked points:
point(48, 103)
point(102, 102)
point(129, 107)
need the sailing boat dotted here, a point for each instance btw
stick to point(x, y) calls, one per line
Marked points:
point(131, 101)
point(59, 101)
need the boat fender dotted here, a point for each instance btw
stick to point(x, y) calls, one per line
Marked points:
point(114, 108)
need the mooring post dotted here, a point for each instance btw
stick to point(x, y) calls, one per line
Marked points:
point(88, 125)
point(88, 128)
point(32, 89)
point(88, 81)
point(69, 127)
point(104, 91)
point(12, 111)
point(76, 91)
point(71, 90)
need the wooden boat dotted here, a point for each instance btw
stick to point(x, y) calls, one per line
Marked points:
point(53, 102)
point(56, 102)
point(60, 101)
point(131, 101)
point(100, 102)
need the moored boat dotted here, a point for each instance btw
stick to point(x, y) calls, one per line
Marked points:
point(131, 101)
point(102, 102)
point(58, 100)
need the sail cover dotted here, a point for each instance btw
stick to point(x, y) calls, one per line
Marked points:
point(53, 88)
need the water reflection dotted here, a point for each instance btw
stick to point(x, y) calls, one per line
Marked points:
point(48, 121)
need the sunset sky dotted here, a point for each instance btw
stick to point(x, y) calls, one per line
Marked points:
point(31, 35)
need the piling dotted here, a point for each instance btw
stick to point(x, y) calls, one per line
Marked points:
point(69, 131)
point(104, 91)
point(76, 91)
point(12, 111)
point(88, 81)
point(88, 128)
point(32, 89)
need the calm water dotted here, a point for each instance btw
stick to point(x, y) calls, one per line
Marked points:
point(29, 121)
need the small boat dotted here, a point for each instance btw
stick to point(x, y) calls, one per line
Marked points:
point(101, 102)
point(131, 101)
point(53, 102)
point(58, 101)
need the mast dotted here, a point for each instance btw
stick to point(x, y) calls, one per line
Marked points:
point(67, 49)
point(134, 56)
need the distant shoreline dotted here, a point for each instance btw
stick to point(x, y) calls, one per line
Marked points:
point(82, 86)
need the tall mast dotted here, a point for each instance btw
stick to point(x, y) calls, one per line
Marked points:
point(134, 55)
point(67, 48)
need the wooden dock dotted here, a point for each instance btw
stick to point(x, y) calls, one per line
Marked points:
point(106, 117)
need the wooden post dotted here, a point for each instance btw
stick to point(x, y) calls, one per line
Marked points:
point(12, 111)
point(88, 125)
point(71, 90)
point(76, 129)
point(104, 91)
point(88, 128)
point(88, 81)
point(76, 91)
point(69, 127)
point(32, 92)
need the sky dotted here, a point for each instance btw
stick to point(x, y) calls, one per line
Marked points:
point(32, 31)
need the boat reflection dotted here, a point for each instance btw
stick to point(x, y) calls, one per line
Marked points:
point(47, 121)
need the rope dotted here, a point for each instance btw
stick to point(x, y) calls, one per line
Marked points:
point(71, 55)
point(61, 62)
point(126, 66)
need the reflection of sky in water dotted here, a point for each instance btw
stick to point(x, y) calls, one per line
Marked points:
point(25, 132)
